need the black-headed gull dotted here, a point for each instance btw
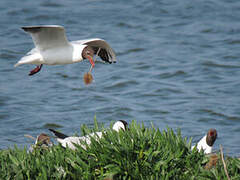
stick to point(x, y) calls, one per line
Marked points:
point(70, 141)
point(53, 48)
point(206, 143)
point(42, 141)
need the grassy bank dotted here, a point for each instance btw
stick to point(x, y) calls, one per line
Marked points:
point(140, 153)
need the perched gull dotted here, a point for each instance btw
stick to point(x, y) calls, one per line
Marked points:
point(53, 48)
point(206, 143)
point(69, 141)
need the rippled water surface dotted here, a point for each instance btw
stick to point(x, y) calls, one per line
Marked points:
point(178, 66)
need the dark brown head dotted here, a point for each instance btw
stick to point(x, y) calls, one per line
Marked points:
point(87, 51)
point(43, 139)
point(99, 51)
point(211, 137)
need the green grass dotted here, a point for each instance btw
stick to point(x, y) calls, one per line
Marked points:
point(140, 153)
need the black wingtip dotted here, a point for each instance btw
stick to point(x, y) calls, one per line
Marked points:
point(58, 134)
point(31, 29)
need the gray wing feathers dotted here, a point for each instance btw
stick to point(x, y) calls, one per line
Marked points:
point(48, 36)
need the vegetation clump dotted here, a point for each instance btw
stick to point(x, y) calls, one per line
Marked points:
point(138, 153)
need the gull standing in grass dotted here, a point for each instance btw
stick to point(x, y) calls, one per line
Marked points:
point(53, 48)
point(206, 143)
point(70, 141)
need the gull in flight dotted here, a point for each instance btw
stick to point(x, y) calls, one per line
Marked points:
point(53, 48)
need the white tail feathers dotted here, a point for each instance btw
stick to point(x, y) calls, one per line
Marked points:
point(20, 62)
point(29, 59)
point(17, 64)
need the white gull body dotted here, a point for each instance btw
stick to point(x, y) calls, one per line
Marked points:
point(71, 141)
point(53, 48)
point(207, 142)
point(202, 145)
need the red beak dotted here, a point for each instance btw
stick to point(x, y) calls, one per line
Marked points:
point(91, 61)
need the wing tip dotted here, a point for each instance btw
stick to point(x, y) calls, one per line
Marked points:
point(58, 134)
point(31, 29)
point(35, 29)
point(16, 65)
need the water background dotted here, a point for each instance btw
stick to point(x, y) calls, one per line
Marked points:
point(178, 66)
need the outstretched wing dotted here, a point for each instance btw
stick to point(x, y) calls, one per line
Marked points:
point(106, 53)
point(47, 36)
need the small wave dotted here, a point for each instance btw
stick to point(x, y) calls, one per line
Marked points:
point(4, 116)
point(130, 51)
point(18, 11)
point(208, 30)
point(122, 84)
point(143, 67)
point(40, 17)
point(65, 76)
point(212, 64)
point(52, 125)
point(122, 24)
point(230, 57)
point(155, 111)
point(211, 112)
point(126, 25)
point(3, 100)
point(62, 75)
point(100, 98)
point(7, 55)
point(233, 42)
point(171, 74)
point(51, 4)
point(116, 115)
point(169, 90)
point(77, 89)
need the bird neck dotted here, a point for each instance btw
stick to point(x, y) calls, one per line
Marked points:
point(117, 126)
point(77, 52)
point(203, 145)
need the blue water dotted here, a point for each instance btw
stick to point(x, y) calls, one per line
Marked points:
point(178, 66)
